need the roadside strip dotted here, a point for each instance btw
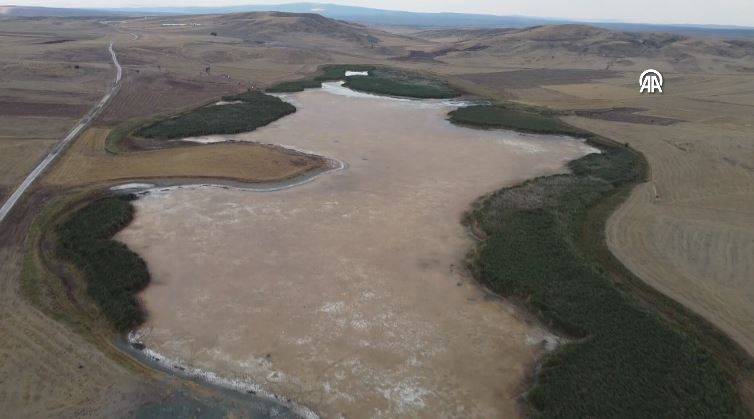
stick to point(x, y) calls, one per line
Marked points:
point(63, 144)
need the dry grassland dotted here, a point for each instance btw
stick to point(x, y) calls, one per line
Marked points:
point(46, 86)
point(689, 231)
point(144, 95)
point(87, 162)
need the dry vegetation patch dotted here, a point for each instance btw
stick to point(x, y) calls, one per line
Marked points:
point(144, 95)
point(87, 162)
point(46, 85)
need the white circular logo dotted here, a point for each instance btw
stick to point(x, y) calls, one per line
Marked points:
point(650, 81)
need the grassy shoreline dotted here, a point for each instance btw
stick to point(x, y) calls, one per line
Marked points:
point(544, 246)
point(513, 117)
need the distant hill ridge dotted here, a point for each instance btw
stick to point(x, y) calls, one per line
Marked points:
point(681, 52)
point(388, 18)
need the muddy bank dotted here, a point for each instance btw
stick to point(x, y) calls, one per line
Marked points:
point(347, 294)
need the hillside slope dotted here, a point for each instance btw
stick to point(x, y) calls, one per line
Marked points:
point(300, 30)
point(581, 44)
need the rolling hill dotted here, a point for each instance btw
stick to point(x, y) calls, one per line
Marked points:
point(582, 43)
point(381, 17)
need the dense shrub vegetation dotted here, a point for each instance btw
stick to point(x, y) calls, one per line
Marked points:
point(509, 117)
point(625, 361)
point(326, 73)
point(112, 272)
point(295, 86)
point(383, 81)
point(255, 109)
point(401, 83)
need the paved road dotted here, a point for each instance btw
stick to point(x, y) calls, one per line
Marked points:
point(61, 146)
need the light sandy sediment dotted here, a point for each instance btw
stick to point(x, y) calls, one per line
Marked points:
point(347, 294)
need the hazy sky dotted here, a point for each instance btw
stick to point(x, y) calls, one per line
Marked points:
point(723, 12)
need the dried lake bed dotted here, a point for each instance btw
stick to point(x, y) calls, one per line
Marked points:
point(347, 294)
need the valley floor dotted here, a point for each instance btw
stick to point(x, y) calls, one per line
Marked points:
point(687, 232)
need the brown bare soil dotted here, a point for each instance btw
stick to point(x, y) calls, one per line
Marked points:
point(144, 95)
point(18, 108)
point(88, 54)
point(45, 87)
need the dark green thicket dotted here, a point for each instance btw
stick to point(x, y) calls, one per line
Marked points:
point(510, 117)
point(625, 361)
point(383, 81)
point(112, 272)
point(326, 73)
point(401, 83)
point(255, 110)
point(295, 86)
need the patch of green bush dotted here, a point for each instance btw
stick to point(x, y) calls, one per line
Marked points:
point(624, 361)
point(401, 83)
point(514, 118)
point(113, 273)
point(383, 81)
point(295, 86)
point(325, 73)
point(255, 110)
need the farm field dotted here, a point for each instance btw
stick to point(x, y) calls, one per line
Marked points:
point(147, 95)
point(687, 232)
point(682, 230)
point(44, 90)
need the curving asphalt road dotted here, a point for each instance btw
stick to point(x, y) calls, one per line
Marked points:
point(61, 146)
